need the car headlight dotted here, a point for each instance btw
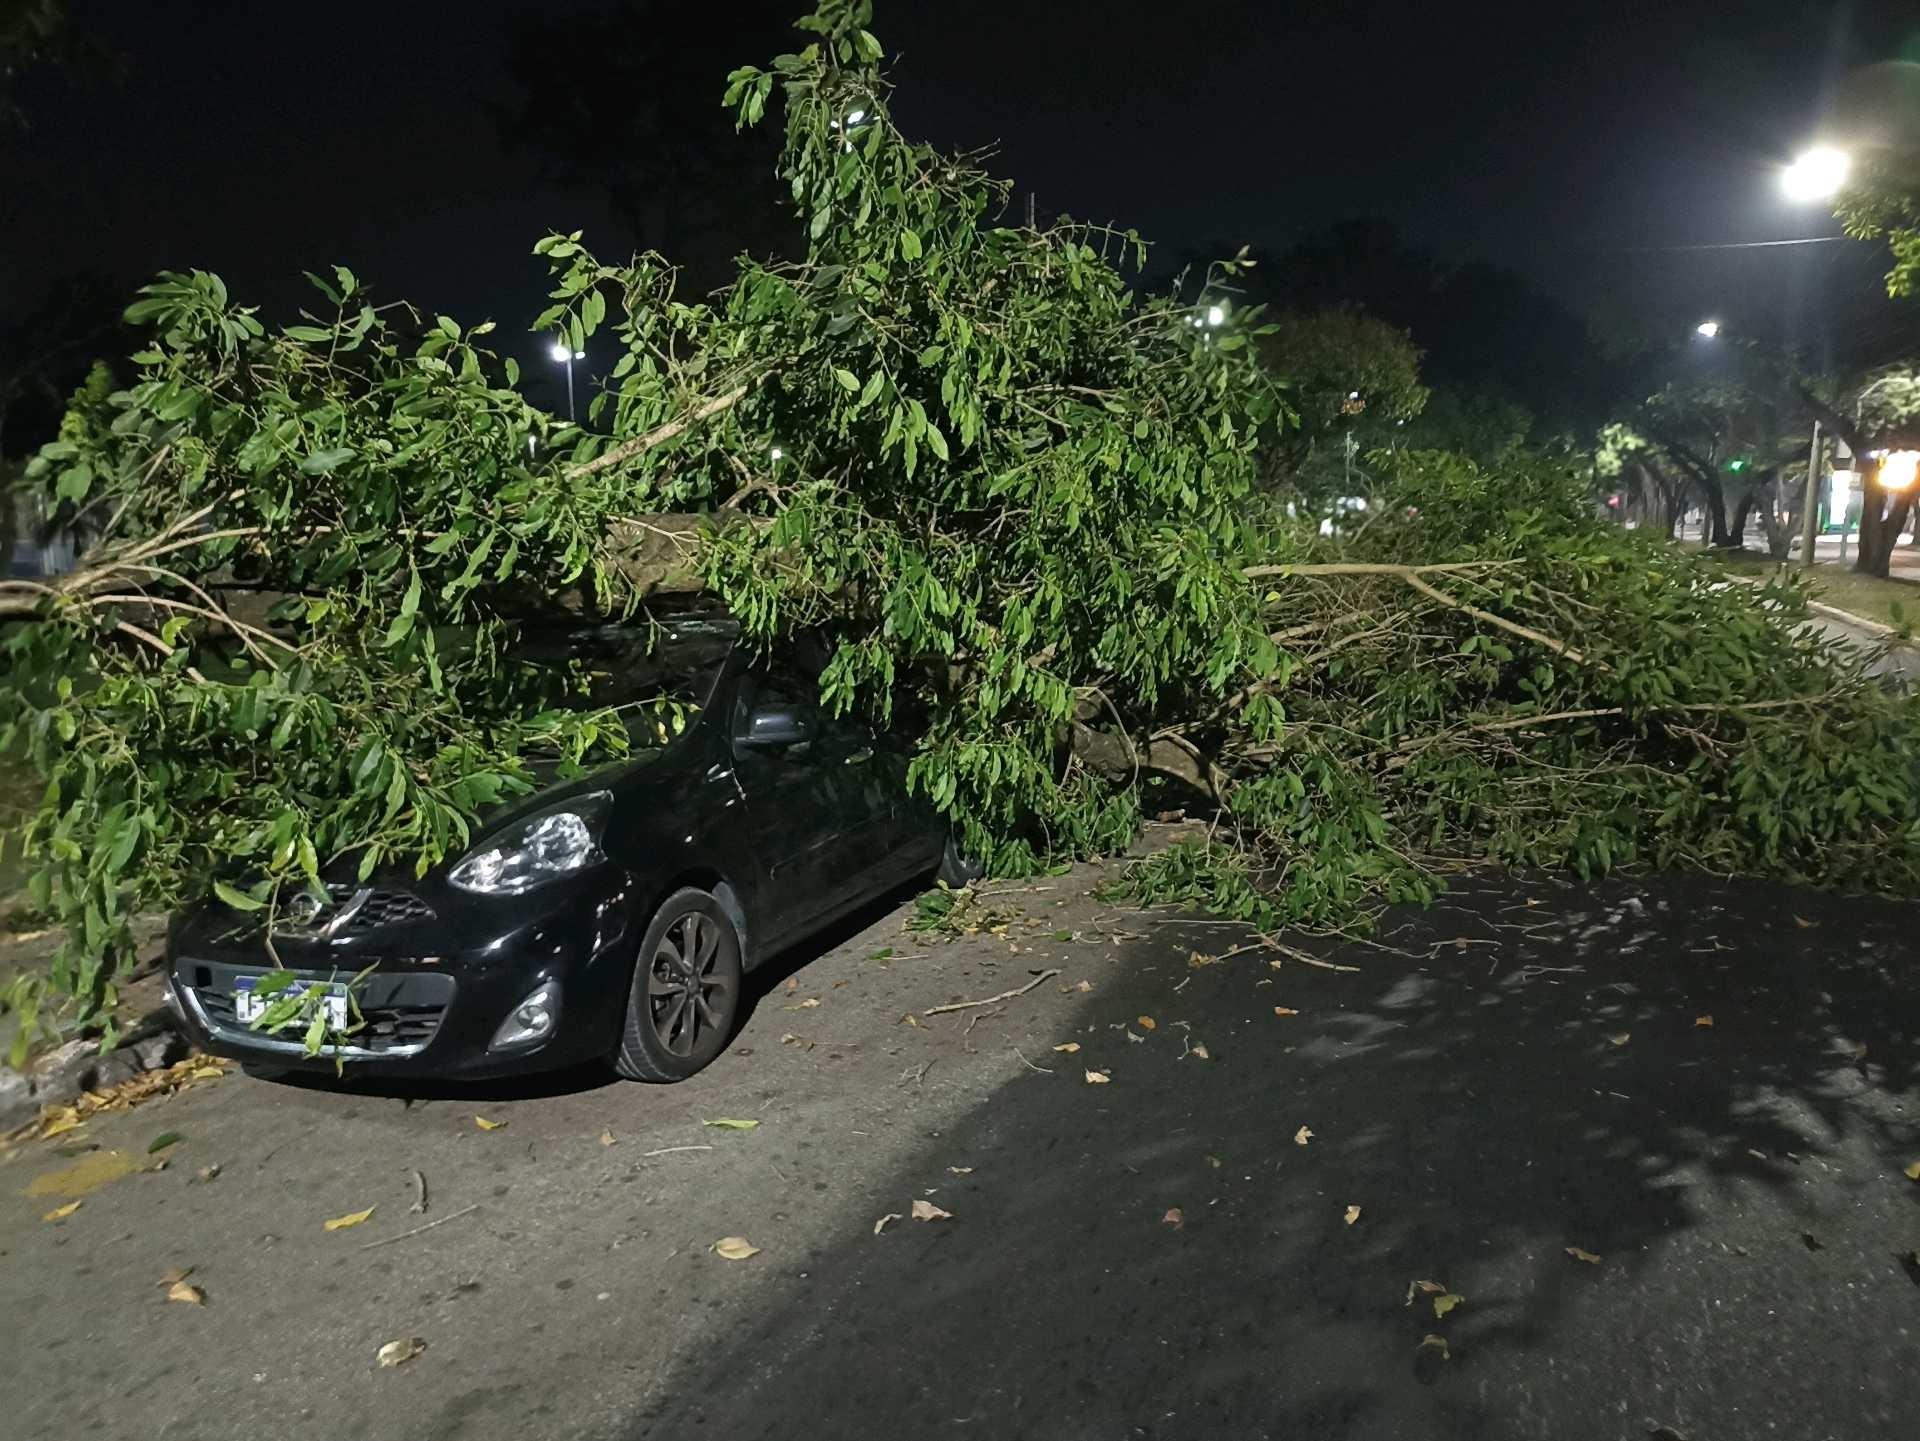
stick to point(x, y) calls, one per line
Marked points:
point(538, 849)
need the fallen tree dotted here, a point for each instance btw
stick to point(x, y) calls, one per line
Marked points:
point(1021, 498)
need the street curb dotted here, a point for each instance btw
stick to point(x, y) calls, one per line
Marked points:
point(1847, 617)
point(66, 1071)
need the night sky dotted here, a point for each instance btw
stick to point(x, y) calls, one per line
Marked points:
point(1566, 140)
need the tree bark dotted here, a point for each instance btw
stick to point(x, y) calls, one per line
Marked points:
point(1883, 515)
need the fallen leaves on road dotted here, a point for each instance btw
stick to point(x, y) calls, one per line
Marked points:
point(175, 1276)
point(206, 1174)
point(1137, 1040)
point(1197, 959)
point(55, 1120)
point(1445, 1303)
point(1302, 1136)
point(1353, 1214)
point(960, 1170)
point(1804, 924)
point(1098, 1078)
point(1067, 1048)
point(84, 1176)
point(165, 1139)
point(885, 1221)
point(352, 1218)
point(728, 1123)
point(1084, 986)
point(398, 1353)
point(927, 1211)
point(1706, 1021)
point(1145, 1023)
point(1200, 1052)
point(1175, 1218)
point(1285, 1011)
point(1437, 1344)
point(734, 1248)
point(60, 1213)
point(1913, 1171)
point(607, 1138)
point(793, 984)
point(487, 1125)
point(808, 1004)
point(1581, 1255)
point(1620, 1038)
point(187, 1294)
point(1215, 1162)
point(1424, 1288)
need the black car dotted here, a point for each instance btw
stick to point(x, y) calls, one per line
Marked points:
point(609, 916)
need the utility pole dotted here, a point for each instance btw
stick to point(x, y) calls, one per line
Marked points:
point(1809, 517)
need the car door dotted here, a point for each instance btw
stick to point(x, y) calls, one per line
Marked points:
point(810, 805)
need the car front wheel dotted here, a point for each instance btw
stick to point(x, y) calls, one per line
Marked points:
point(685, 997)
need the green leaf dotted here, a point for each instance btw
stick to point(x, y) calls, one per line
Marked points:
point(322, 462)
point(311, 334)
point(165, 1139)
point(849, 382)
point(239, 900)
point(909, 245)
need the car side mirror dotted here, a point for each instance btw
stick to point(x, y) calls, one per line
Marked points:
point(771, 726)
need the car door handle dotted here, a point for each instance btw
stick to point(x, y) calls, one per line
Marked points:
point(861, 756)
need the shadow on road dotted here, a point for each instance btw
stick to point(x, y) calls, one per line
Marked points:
point(1708, 1086)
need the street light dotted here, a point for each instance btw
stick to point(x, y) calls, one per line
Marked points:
point(1816, 174)
point(566, 355)
point(1899, 469)
point(1707, 328)
point(1216, 317)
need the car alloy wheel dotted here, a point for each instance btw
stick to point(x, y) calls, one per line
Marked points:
point(685, 996)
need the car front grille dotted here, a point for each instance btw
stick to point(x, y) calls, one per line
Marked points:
point(400, 1013)
point(380, 910)
point(341, 918)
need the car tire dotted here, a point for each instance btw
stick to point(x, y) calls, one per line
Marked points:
point(685, 997)
point(957, 868)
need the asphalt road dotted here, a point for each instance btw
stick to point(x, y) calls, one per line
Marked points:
point(1524, 1069)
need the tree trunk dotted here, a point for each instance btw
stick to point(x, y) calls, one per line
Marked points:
point(1883, 515)
point(1736, 537)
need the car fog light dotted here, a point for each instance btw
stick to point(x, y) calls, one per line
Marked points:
point(530, 1022)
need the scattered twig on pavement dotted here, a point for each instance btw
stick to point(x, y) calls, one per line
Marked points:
point(990, 1000)
point(1308, 960)
point(916, 1074)
point(1029, 1064)
point(669, 1150)
point(389, 1240)
point(419, 1206)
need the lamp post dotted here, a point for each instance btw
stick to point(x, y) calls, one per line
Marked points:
point(1816, 174)
point(566, 355)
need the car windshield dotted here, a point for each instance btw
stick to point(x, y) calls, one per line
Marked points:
point(655, 675)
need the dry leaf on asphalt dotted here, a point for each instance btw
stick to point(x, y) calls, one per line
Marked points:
point(1804, 925)
point(1067, 1048)
point(1145, 1023)
point(1580, 1255)
point(1620, 1038)
point(734, 1248)
point(1098, 1078)
point(1445, 1303)
point(808, 1004)
point(484, 1124)
point(398, 1353)
point(1353, 1214)
point(793, 983)
point(191, 1295)
point(1215, 1162)
point(1913, 1171)
point(207, 1173)
point(1285, 1011)
point(1436, 1343)
point(1706, 1021)
point(1302, 1136)
point(728, 1123)
point(60, 1213)
point(607, 1139)
point(927, 1211)
point(1200, 1052)
point(1137, 1040)
point(1084, 986)
point(960, 1170)
point(84, 1176)
point(1424, 1288)
point(885, 1221)
point(340, 1223)
point(1174, 1218)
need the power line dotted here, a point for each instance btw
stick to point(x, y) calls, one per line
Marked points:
point(1738, 244)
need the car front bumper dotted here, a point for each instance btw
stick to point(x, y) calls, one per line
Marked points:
point(436, 994)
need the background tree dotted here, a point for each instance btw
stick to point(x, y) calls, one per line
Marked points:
point(1873, 413)
point(1350, 380)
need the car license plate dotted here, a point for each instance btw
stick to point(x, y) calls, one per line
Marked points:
point(248, 1006)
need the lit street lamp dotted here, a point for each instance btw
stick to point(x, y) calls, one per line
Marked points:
point(1707, 328)
point(566, 355)
point(1816, 174)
